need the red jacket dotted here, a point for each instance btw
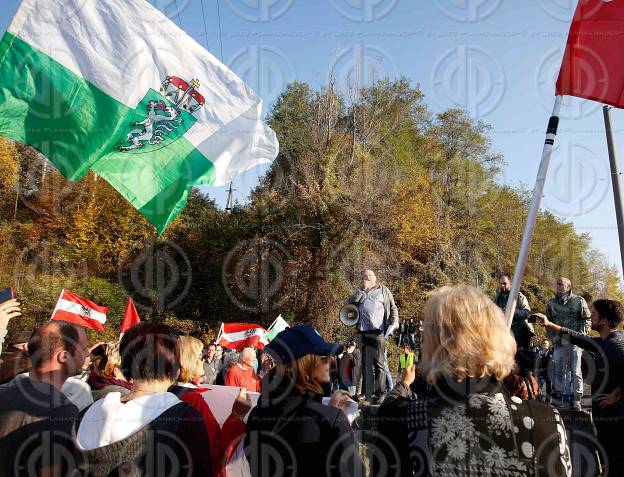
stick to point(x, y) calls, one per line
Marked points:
point(223, 440)
point(241, 378)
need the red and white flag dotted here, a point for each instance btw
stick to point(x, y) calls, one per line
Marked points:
point(131, 317)
point(592, 66)
point(239, 335)
point(80, 311)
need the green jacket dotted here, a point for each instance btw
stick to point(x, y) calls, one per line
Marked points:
point(570, 312)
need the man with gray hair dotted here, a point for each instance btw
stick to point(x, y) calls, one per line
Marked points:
point(378, 316)
point(569, 311)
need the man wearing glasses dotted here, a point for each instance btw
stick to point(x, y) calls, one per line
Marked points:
point(569, 311)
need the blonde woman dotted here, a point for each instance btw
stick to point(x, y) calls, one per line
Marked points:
point(290, 432)
point(106, 376)
point(467, 424)
point(223, 440)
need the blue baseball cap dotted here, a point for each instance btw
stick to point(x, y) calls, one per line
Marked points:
point(298, 341)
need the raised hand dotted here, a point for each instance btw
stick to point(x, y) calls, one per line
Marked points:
point(9, 309)
point(242, 404)
point(408, 376)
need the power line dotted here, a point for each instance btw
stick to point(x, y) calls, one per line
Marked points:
point(178, 12)
point(220, 37)
point(205, 28)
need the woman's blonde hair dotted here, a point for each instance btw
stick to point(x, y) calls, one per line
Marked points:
point(113, 359)
point(190, 352)
point(300, 372)
point(465, 336)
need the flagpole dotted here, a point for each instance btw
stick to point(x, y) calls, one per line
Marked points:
point(220, 333)
point(57, 303)
point(615, 180)
point(551, 133)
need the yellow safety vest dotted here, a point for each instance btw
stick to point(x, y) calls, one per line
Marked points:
point(406, 360)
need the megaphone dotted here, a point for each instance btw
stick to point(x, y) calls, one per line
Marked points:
point(349, 315)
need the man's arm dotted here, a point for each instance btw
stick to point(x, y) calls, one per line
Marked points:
point(579, 339)
point(356, 297)
point(394, 315)
point(585, 313)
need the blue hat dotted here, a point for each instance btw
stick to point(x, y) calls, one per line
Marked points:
point(298, 341)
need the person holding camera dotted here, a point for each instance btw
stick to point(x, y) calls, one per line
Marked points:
point(608, 377)
point(378, 316)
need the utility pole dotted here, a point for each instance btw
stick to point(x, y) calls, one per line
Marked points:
point(230, 199)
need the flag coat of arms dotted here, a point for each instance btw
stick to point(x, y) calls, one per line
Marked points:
point(115, 87)
point(80, 311)
point(239, 335)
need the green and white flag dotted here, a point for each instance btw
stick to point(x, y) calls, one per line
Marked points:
point(276, 328)
point(115, 87)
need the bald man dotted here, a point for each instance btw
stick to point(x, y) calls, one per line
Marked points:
point(378, 318)
point(36, 418)
point(242, 374)
point(569, 311)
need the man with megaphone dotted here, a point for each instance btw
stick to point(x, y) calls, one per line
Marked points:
point(378, 316)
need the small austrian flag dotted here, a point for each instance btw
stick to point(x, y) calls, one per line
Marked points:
point(238, 335)
point(80, 311)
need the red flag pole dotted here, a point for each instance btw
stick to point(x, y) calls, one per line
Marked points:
point(538, 192)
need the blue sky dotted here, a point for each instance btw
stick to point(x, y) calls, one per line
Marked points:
point(496, 58)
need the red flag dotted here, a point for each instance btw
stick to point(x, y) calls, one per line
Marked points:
point(80, 311)
point(239, 335)
point(131, 317)
point(592, 65)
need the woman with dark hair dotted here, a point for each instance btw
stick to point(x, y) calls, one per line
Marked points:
point(467, 423)
point(149, 431)
point(290, 431)
point(223, 439)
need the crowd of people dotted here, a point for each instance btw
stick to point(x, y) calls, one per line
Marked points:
point(469, 398)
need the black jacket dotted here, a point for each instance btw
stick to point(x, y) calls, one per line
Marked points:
point(293, 433)
point(607, 367)
point(35, 429)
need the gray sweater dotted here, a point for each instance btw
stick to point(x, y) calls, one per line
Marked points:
point(391, 312)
